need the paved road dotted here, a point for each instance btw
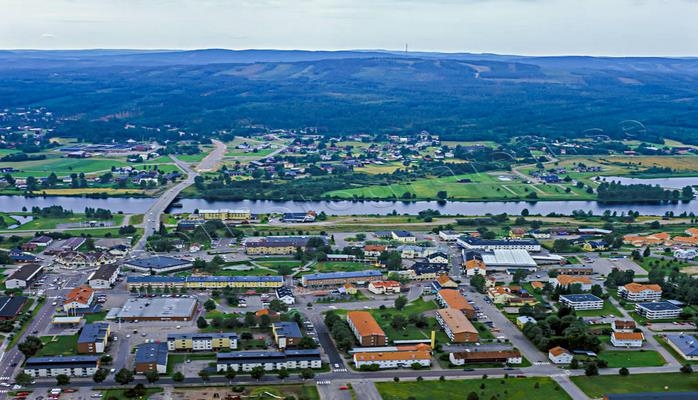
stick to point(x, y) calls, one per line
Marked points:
point(210, 162)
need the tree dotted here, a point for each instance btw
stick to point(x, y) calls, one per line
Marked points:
point(204, 375)
point(647, 252)
point(201, 323)
point(307, 342)
point(250, 320)
point(30, 346)
point(278, 306)
point(257, 372)
point(597, 290)
point(283, 374)
point(210, 305)
point(152, 376)
point(106, 359)
point(100, 375)
point(591, 369)
point(307, 373)
point(264, 321)
point(178, 376)
point(23, 379)
point(623, 372)
point(62, 379)
point(230, 374)
point(478, 282)
point(473, 396)
point(519, 275)
point(686, 369)
point(399, 322)
point(400, 303)
point(124, 376)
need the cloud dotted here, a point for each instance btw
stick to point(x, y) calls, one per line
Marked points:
point(48, 35)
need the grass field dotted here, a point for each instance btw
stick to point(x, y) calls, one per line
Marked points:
point(509, 389)
point(635, 358)
point(597, 386)
point(608, 309)
point(175, 358)
point(484, 186)
point(336, 266)
point(51, 223)
point(383, 317)
point(95, 317)
point(64, 166)
point(59, 345)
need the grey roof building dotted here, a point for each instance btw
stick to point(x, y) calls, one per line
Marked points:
point(159, 264)
point(151, 357)
point(10, 306)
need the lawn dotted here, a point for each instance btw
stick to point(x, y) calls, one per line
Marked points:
point(65, 166)
point(608, 309)
point(635, 358)
point(39, 223)
point(175, 358)
point(384, 317)
point(59, 345)
point(119, 393)
point(337, 266)
point(509, 389)
point(95, 317)
point(597, 386)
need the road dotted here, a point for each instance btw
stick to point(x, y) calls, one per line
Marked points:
point(151, 219)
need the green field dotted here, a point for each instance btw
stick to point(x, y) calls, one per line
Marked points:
point(608, 309)
point(64, 166)
point(632, 358)
point(39, 223)
point(95, 317)
point(484, 186)
point(59, 345)
point(509, 389)
point(597, 386)
point(179, 358)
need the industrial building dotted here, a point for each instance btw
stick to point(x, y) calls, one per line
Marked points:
point(157, 309)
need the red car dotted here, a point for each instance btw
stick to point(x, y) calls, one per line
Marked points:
point(344, 387)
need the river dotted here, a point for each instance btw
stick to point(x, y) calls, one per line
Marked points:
point(140, 205)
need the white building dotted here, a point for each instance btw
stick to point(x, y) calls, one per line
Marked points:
point(472, 243)
point(658, 310)
point(627, 339)
point(638, 292)
point(580, 302)
point(23, 276)
point(384, 287)
point(104, 277)
point(559, 355)
point(567, 280)
point(269, 360)
point(285, 295)
point(67, 365)
point(393, 359)
point(449, 236)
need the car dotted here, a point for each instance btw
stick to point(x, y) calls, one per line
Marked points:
point(128, 335)
point(5, 384)
point(344, 387)
point(34, 332)
point(336, 365)
point(14, 364)
point(468, 369)
point(96, 395)
point(112, 370)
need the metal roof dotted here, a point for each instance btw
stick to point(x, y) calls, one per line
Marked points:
point(341, 275)
point(151, 352)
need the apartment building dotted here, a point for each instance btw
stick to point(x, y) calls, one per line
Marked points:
point(151, 357)
point(286, 334)
point(393, 359)
point(640, 292)
point(202, 341)
point(457, 327)
point(93, 338)
point(77, 366)
point(340, 278)
point(450, 298)
point(580, 302)
point(269, 360)
point(476, 357)
point(658, 310)
point(366, 329)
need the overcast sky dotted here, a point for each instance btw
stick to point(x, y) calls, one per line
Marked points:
point(532, 27)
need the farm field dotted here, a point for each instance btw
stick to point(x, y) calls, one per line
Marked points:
point(597, 386)
point(510, 389)
point(485, 186)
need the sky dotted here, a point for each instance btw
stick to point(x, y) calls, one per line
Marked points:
point(527, 27)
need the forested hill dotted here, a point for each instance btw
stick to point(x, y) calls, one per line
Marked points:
point(459, 96)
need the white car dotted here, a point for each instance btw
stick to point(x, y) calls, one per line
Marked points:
point(5, 384)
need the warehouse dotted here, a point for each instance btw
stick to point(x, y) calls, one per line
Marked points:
point(158, 264)
point(158, 309)
point(11, 306)
point(502, 260)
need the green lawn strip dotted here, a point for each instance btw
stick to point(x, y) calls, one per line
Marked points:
point(510, 389)
point(632, 358)
point(608, 309)
point(483, 330)
point(597, 386)
point(119, 393)
point(175, 358)
point(59, 345)
point(100, 316)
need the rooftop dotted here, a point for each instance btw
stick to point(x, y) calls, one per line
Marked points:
point(453, 299)
point(92, 333)
point(10, 306)
point(688, 344)
point(393, 356)
point(628, 335)
point(158, 262)
point(658, 306)
point(287, 329)
point(151, 353)
point(456, 321)
point(577, 298)
point(26, 272)
point(158, 307)
point(105, 272)
point(371, 273)
point(364, 323)
point(635, 287)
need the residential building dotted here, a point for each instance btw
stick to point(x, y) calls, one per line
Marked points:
point(384, 287)
point(403, 236)
point(449, 236)
point(373, 250)
point(11, 307)
point(204, 282)
point(285, 295)
point(158, 264)
point(559, 355)
point(566, 280)
point(684, 344)
point(393, 359)
point(422, 271)
point(278, 245)
point(366, 329)
point(499, 294)
point(623, 326)
point(151, 357)
point(202, 341)
point(523, 320)
point(40, 367)
point(79, 299)
point(579, 302)
point(410, 251)
point(93, 338)
point(286, 334)
point(654, 239)
point(473, 243)
point(104, 277)
point(224, 215)
point(477, 357)
point(437, 258)
point(78, 259)
point(340, 278)
point(24, 276)
point(574, 270)
point(658, 310)
point(627, 339)
point(449, 298)
point(444, 282)
point(270, 360)
point(457, 327)
point(595, 245)
point(640, 292)
point(474, 267)
point(348, 288)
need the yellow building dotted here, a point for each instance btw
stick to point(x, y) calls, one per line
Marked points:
point(224, 215)
point(202, 341)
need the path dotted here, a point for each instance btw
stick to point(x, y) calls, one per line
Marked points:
point(210, 162)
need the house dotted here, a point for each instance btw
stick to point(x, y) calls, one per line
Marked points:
point(41, 241)
point(479, 357)
point(627, 339)
point(393, 359)
point(444, 282)
point(580, 302)
point(449, 298)
point(384, 287)
point(286, 334)
point(37, 367)
point(639, 292)
point(269, 360)
point(658, 310)
point(104, 277)
point(559, 355)
point(93, 338)
point(457, 327)
point(537, 285)
point(409, 251)
point(151, 357)
point(11, 307)
point(80, 298)
point(623, 326)
point(366, 329)
point(24, 276)
point(285, 294)
point(595, 245)
point(340, 278)
point(517, 233)
point(202, 341)
point(403, 236)
point(437, 258)
point(373, 250)
point(684, 344)
point(475, 266)
point(567, 280)
point(449, 236)
point(349, 289)
point(654, 239)
point(499, 294)
point(523, 320)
